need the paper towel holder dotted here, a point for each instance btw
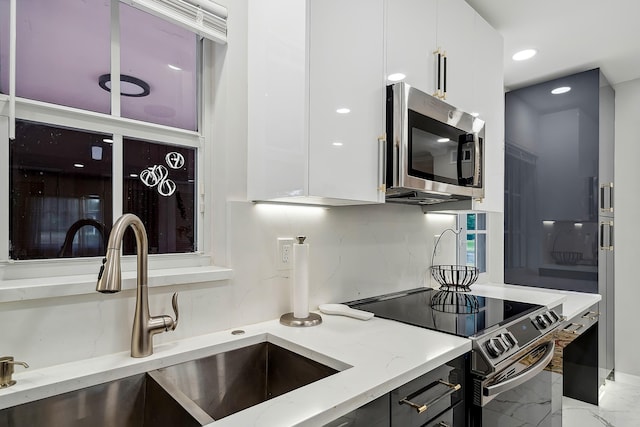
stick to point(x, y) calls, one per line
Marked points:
point(288, 319)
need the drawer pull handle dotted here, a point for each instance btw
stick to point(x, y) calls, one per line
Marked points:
point(576, 326)
point(422, 408)
point(591, 315)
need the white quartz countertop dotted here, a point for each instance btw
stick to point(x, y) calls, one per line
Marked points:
point(373, 357)
point(573, 303)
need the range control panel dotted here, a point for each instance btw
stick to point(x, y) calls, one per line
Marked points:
point(505, 342)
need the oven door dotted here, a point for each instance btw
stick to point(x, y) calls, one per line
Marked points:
point(526, 393)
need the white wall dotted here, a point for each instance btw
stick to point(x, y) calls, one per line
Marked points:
point(627, 234)
point(355, 251)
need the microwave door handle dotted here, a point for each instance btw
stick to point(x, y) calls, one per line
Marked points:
point(477, 160)
point(461, 141)
point(525, 375)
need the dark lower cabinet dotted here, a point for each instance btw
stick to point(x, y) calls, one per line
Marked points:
point(435, 399)
point(373, 414)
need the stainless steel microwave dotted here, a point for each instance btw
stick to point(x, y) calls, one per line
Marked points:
point(434, 152)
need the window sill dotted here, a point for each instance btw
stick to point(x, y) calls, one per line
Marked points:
point(62, 286)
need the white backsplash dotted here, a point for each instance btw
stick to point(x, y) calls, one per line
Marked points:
point(355, 252)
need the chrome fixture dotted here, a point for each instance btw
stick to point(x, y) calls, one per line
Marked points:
point(110, 281)
point(6, 370)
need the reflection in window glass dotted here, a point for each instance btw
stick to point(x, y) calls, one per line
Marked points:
point(4, 46)
point(61, 198)
point(159, 187)
point(61, 50)
point(163, 55)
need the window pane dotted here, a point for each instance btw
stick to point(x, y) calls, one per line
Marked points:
point(4, 46)
point(471, 249)
point(481, 221)
point(481, 253)
point(164, 56)
point(159, 187)
point(62, 49)
point(61, 195)
point(471, 221)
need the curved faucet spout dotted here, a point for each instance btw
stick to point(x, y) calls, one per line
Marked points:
point(110, 281)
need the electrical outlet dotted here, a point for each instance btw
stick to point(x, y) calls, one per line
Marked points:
point(284, 255)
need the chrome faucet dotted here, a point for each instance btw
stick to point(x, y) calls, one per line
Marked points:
point(145, 326)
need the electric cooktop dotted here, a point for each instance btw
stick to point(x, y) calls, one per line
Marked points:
point(457, 313)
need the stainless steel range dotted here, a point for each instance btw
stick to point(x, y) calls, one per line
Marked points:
point(512, 344)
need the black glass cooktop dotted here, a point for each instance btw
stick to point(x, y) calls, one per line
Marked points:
point(457, 313)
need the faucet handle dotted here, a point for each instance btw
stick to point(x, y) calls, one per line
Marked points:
point(174, 304)
point(6, 370)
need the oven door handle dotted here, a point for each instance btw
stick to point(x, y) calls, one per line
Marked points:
point(525, 375)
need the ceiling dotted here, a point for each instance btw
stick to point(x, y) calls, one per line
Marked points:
point(570, 36)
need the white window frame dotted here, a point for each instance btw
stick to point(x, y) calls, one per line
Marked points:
point(462, 245)
point(26, 279)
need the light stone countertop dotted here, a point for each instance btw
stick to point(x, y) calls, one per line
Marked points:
point(572, 302)
point(373, 357)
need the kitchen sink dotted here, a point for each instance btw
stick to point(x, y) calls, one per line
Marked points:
point(136, 401)
point(192, 393)
point(229, 382)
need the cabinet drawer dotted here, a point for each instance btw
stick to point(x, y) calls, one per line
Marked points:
point(580, 323)
point(421, 400)
point(373, 414)
point(443, 420)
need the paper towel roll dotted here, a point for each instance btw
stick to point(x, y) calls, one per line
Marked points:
point(301, 279)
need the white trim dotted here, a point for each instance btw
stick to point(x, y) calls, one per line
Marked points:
point(43, 112)
point(4, 188)
point(115, 59)
point(12, 69)
point(203, 17)
point(117, 168)
point(62, 286)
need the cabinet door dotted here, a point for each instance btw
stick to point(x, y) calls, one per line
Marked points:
point(456, 21)
point(488, 103)
point(346, 71)
point(411, 41)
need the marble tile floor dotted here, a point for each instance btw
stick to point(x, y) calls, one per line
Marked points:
point(619, 406)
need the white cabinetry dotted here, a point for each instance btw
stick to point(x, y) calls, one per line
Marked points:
point(415, 29)
point(308, 63)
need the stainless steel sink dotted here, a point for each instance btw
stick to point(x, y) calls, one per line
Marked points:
point(229, 382)
point(135, 401)
point(192, 393)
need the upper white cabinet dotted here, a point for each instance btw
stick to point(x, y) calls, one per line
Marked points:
point(415, 31)
point(317, 72)
point(411, 40)
point(316, 100)
point(488, 103)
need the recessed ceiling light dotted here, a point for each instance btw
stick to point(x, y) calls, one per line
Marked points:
point(107, 140)
point(174, 67)
point(78, 165)
point(444, 140)
point(129, 85)
point(396, 77)
point(338, 144)
point(343, 111)
point(524, 54)
point(559, 90)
